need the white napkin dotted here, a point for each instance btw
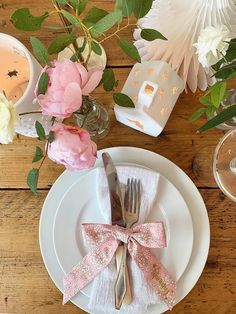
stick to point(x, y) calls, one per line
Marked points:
point(102, 292)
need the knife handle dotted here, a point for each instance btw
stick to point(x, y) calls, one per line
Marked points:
point(122, 285)
point(128, 296)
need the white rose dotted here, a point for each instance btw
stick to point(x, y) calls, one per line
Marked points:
point(8, 118)
point(212, 44)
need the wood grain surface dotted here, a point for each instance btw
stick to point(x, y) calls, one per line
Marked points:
point(25, 286)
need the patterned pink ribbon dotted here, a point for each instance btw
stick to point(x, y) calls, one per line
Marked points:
point(105, 239)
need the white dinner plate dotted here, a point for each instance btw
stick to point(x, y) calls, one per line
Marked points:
point(80, 205)
point(169, 170)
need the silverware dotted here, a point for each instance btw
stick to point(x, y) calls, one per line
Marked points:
point(132, 209)
point(117, 207)
point(117, 214)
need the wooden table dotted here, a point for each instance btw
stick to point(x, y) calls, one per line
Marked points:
point(25, 286)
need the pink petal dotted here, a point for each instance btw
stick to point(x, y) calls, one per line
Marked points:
point(95, 77)
point(73, 97)
point(57, 95)
point(68, 72)
point(83, 73)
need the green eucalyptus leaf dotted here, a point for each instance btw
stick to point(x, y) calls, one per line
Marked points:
point(77, 54)
point(58, 27)
point(38, 154)
point(105, 23)
point(81, 5)
point(32, 180)
point(119, 5)
point(71, 18)
point(96, 48)
point(129, 49)
point(197, 114)
point(229, 57)
point(75, 57)
point(40, 51)
point(51, 137)
point(108, 79)
point(142, 7)
point(23, 20)
point(123, 100)
point(40, 131)
point(205, 100)
point(223, 116)
point(210, 111)
point(126, 6)
point(226, 71)
point(217, 66)
point(61, 42)
point(43, 83)
point(93, 16)
point(217, 93)
point(78, 5)
point(151, 34)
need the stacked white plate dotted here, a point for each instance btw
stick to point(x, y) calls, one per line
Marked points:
point(72, 200)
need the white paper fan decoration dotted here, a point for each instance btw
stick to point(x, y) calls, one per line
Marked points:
point(181, 22)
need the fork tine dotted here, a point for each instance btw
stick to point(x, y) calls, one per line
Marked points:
point(128, 188)
point(139, 197)
point(126, 197)
point(135, 196)
point(133, 201)
point(132, 196)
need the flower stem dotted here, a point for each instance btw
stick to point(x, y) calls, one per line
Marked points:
point(119, 29)
point(44, 157)
point(47, 146)
point(67, 24)
point(85, 118)
point(30, 112)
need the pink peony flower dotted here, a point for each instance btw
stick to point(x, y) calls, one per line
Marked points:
point(68, 81)
point(72, 147)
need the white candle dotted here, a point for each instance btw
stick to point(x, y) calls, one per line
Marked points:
point(19, 73)
point(14, 74)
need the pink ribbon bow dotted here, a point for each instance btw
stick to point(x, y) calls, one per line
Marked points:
point(106, 239)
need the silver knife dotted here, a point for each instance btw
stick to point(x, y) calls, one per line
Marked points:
point(117, 216)
point(117, 208)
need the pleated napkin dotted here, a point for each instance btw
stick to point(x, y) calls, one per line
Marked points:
point(102, 291)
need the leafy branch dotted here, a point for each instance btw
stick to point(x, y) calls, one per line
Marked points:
point(119, 29)
point(95, 24)
point(225, 69)
point(33, 175)
point(96, 27)
point(211, 100)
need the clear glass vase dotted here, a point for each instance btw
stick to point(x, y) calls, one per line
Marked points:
point(93, 117)
point(226, 103)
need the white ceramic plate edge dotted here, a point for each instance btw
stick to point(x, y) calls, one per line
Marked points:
point(131, 154)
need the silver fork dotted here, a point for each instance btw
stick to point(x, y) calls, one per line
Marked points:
point(132, 209)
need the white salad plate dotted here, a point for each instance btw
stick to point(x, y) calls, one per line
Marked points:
point(140, 157)
point(80, 205)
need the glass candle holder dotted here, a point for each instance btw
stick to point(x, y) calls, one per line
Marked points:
point(224, 164)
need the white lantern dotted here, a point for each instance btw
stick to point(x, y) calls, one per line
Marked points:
point(154, 88)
